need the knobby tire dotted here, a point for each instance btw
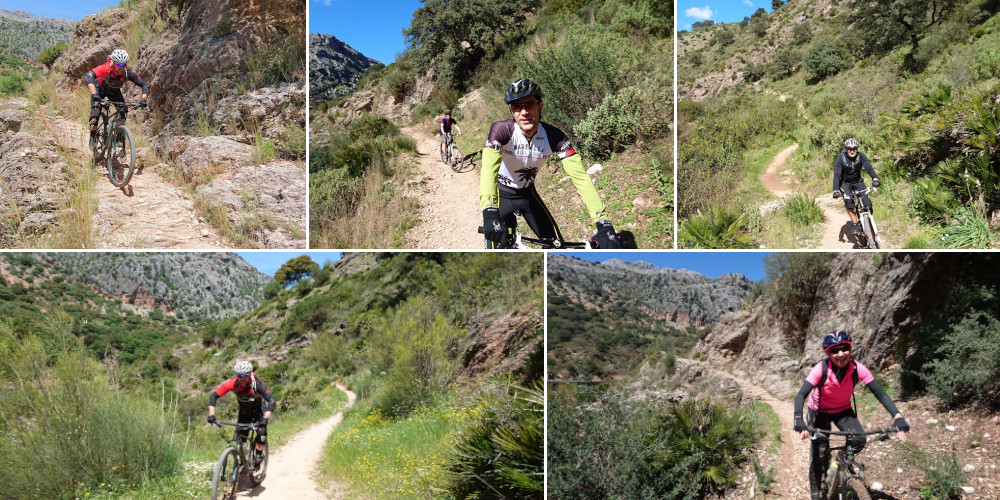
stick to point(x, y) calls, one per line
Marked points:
point(258, 475)
point(858, 488)
point(457, 159)
point(866, 225)
point(227, 476)
point(114, 144)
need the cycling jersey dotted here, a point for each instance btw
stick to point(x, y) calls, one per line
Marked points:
point(511, 161)
point(446, 124)
point(106, 82)
point(836, 395)
point(251, 398)
point(847, 170)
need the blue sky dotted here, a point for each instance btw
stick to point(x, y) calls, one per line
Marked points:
point(372, 27)
point(711, 264)
point(720, 11)
point(269, 262)
point(73, 10)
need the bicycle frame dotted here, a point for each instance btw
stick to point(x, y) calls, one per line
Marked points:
point(518, 241)
point(106, 125)
point(863, 212)
point(846, 466)
point(236, 441)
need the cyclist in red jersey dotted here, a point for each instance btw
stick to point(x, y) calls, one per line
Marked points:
point(107, 80)
point(251, 394)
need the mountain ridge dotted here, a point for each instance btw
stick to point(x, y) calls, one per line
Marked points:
point(335, 68)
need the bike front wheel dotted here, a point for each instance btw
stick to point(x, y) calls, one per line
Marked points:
point(258, 475)
point(857, 489)
point(227, 475)
point(868, 226)
point(457, 160)
point(120, 156)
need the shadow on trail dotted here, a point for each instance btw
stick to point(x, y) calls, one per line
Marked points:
point(846, 236)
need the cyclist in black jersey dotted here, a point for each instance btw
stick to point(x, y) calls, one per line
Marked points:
point(444, 128)
point(515, 150)
point(847, 176)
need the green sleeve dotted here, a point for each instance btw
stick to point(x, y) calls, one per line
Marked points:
point(489, 193)
point(574, 167)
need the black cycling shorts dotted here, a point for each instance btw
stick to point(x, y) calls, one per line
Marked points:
point(847, 187)
point(250, 416)
point(526, 202)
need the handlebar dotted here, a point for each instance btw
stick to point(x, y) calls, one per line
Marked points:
point(252, 426)
point(552, 242)
point(881, 432)
point(105, 102)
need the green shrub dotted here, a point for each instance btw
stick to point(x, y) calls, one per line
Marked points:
point(970, 362)
point(759, 29)
point(968, 229)
point(793, 279)
point(501, 453)
point(370, 126)
point(49, 55)
point(12, 83)
point(943, 474)
point(622, 119)
point(825, 59)
point(802, 210)
point(801, 33)
point(272, 290)
point(719, 228)
point(723, 38)
point(753, 72)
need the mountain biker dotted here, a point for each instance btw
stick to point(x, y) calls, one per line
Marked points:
point(847, 170)
point(832, 403)
point(515, 151)
point(445, 128)
point(106, 81)
point(251, 394)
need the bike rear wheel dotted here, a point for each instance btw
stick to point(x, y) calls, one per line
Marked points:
point(457, 160)
point(867, 225)
point(120, 156)
point(856, 489)
point(227, 475)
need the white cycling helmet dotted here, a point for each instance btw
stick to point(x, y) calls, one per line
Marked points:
point(119, 56)
point(851, 143)
point(243, 367)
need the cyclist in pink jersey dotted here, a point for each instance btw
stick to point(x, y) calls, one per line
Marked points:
point(834, 379)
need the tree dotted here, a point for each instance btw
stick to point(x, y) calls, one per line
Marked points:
point(702, 24)
point(801, 33)
point(723, 38)
point(776, 4)
point(758, 15)
point(295, 269)
point(759, 29)
point(886, 24)
point(461, 33)
point(784, 63)
point(753, 72)
point(825, 59)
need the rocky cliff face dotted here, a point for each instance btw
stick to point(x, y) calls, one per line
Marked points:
point(29, 35)
point(227, 100)
point(375, 99)
point(211, 285)
point(877, 298)
point(676, 295)
point(334, 67)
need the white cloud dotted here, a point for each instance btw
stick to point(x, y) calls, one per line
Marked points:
point(699, 12)
point(748, 2)
point(324, 2)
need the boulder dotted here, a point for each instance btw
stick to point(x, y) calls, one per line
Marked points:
point(195, 157)
point(11, 119)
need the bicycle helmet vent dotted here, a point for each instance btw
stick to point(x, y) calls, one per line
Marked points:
point(851, 143)
point(521, 88)
point(243, 367)
point(835, 338)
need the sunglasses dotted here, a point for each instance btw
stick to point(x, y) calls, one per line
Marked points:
point(851, 149)
point(243, 376)
point(515, 107)
point(839, 349)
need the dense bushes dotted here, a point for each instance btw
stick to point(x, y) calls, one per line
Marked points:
point(826, 58)
point(614, 448)
point(622, 119)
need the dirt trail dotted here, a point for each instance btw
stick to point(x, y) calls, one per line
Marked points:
point(149, 212)
point(449, 201)
point(790, 478)
point(290, 468)
point(836, 228)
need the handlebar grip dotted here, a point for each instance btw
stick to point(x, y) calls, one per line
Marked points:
point(481, 230)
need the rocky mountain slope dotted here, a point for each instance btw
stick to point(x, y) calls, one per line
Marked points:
point(205, 285)
point(676, 295)
point(227, 111)
point(29, 35)
point(334, 67)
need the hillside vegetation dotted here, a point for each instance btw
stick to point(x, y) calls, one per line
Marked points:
point(914, 82)
point(449, 340)
point(605, 69)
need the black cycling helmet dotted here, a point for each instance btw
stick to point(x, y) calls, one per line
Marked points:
point(447, 112)
point(836, 338)
point(522, 88)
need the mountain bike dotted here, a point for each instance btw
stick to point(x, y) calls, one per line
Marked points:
point(453, 154)
point(235, 462)
point(845, 479)
point(519, 242)
point(114, 144)
point(869, 236)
